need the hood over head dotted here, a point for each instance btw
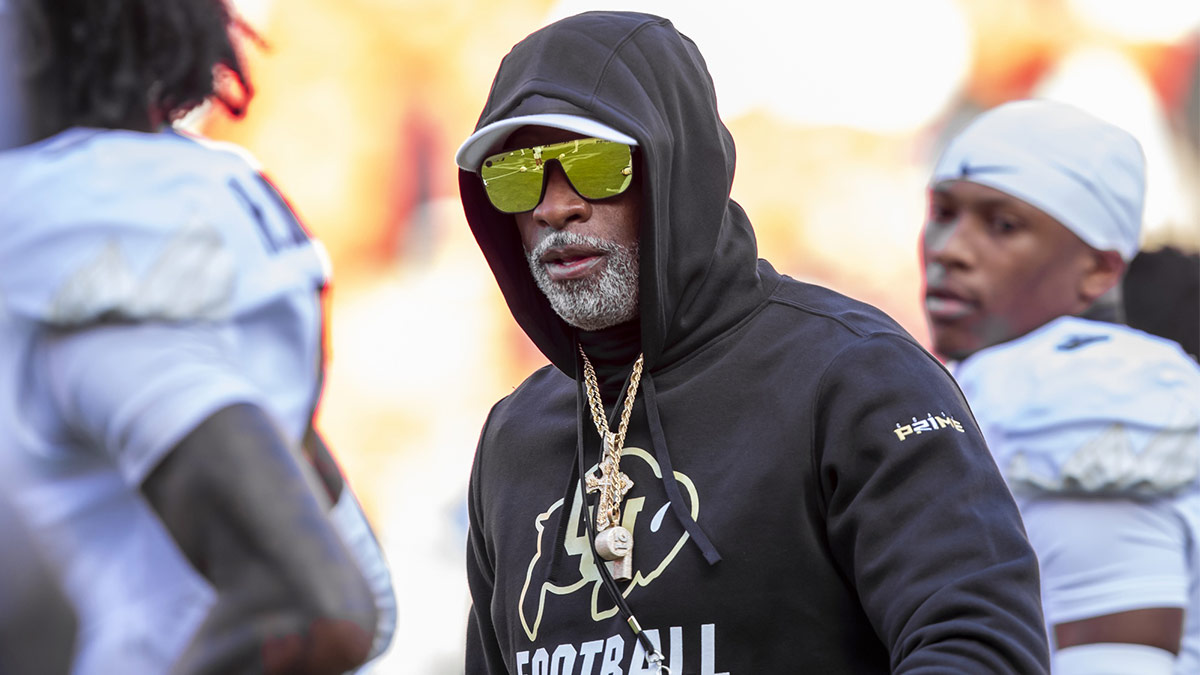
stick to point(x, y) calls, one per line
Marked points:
point(636, 74)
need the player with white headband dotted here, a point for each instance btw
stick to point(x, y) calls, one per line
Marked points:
point(1035, 211)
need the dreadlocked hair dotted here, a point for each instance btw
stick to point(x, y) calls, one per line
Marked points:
point(131, 63)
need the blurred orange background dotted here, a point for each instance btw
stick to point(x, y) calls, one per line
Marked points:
point(838, 110)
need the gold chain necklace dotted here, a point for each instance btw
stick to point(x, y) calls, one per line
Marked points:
point(614, 542)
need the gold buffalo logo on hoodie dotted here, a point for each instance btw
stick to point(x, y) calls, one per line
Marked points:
point(576, 544)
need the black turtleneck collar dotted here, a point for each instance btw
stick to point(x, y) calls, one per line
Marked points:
point(612, 352)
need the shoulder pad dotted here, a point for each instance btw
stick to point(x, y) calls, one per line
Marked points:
point(114, 224)
point(1081, 406)
point(97, 234)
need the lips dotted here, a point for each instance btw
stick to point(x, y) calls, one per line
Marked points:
point(571, 262)
point(945, 305)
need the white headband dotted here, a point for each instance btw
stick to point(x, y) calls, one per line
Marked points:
point(1087, 174)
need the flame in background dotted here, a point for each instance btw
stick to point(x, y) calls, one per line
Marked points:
point(361, 104)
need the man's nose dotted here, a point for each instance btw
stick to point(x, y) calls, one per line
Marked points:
point(948, 243)
point(561, 205)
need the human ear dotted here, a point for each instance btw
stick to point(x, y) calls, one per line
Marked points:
point(1103, 272)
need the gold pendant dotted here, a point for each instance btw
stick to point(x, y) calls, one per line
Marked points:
point(610, 500)
point(615, 545)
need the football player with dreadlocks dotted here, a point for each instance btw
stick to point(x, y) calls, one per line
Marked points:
point(162, 362)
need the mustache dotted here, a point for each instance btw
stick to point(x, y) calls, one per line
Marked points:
point(564, 238)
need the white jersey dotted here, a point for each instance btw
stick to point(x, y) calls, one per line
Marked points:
point(1096, 428)
point(146, 281)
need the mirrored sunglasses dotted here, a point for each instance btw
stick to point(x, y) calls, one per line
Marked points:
point(515, 179)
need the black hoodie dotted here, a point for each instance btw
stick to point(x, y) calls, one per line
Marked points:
point(811, 493)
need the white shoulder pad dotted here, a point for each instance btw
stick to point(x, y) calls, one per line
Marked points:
point(111, 224)
point(108, 226)
point(1080, 406)
point(191, 278)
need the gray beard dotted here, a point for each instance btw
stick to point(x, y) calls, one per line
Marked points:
point(595, 302)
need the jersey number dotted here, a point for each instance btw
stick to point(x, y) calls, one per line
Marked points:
point(273, 239)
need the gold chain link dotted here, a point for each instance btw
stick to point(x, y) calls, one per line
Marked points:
point(610, 464)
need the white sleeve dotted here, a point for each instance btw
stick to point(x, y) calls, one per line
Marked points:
point(1102, 556)
point(136, 389)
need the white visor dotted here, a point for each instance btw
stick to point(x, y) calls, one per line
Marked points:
point(481, 143)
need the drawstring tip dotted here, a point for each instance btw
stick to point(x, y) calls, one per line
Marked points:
point(653, 656)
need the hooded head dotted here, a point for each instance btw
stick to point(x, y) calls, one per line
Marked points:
point(1034, 210)
point(630, 78)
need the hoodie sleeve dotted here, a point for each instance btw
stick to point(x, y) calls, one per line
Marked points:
point(483, 653)
point(919, 518)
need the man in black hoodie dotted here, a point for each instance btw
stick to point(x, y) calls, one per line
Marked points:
point(778, 478)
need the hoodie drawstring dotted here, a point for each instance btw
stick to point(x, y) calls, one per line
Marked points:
point(659, 445)
point(574, 482)
point(658, 440)
point(606, 578)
